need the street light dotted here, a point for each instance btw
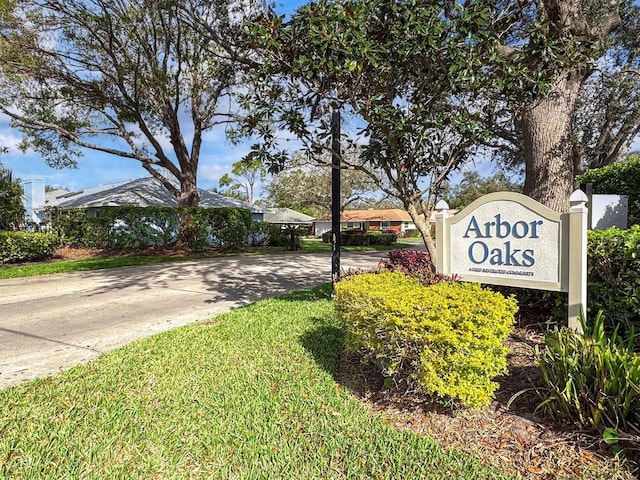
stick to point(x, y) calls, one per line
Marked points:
point(335, 195)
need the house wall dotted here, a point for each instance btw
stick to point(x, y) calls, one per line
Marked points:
point(321, 227)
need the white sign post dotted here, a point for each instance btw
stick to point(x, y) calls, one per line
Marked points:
point(510, 239)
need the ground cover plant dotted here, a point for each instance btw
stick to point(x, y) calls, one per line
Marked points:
point(248, 395)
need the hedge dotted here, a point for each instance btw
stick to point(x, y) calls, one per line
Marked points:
point(363, 239)
point(141, 227)
point(26, 246)
point(613, 277)
point(620, 178)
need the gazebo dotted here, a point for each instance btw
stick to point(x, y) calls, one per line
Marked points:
point(289, 219)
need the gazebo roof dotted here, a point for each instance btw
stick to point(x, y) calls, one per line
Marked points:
point(287, 216)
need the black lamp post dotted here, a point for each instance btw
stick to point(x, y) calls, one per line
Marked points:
point(335, 195)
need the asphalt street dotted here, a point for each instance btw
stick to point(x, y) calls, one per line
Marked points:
point(50, 323)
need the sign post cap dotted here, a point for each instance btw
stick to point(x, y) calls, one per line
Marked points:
point(578, 197)
point(442, 205)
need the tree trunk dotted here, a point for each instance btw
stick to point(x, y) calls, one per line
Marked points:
point(424, 227)
point(188, 197)
point(548, 147)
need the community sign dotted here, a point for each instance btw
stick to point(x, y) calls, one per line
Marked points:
point(510, 239)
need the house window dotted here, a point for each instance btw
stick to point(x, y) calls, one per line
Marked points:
point(385, 224)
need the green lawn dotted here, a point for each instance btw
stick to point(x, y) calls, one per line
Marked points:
point(248, 396)
point(309, 245)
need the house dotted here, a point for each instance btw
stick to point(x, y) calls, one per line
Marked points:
point(143, 192)
point(393, 220)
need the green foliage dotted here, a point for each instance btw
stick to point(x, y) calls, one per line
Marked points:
point(142, 227)
point(307, 188)
point(613, 274)
point(592, 379)
point(473, 186)
point(75, 229)
point(26, 246)
point(11, 208)
point(274, 236)
point(445, 339)
point(409, 71)
point(226, 227)
point(621, 178)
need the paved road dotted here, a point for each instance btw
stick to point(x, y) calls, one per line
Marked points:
point(50, 323)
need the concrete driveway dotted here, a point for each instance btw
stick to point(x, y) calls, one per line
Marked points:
point(50, 323)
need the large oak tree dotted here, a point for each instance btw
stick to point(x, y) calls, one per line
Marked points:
point(124, 77)
point(565, 39)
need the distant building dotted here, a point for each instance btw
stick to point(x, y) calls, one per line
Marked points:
point(143, 192)
point(392, 220)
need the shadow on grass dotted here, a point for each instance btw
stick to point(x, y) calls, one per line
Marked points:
point(324, 343)
point(321, 292)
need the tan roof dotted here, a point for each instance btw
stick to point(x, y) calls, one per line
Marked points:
point(389, 214)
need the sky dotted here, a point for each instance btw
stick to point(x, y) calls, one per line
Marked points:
point(94, 168)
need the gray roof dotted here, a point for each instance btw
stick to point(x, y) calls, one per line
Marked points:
point(143, 192)
point(286, 216)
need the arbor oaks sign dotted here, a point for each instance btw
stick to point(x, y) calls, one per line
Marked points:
point(509, 239)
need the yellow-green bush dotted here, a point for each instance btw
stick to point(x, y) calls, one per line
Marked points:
point(445, 339)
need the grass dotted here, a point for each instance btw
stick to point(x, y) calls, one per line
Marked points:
point(66, 266)
point(248, 396)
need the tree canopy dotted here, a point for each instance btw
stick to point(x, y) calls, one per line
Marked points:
point(473, 186)
point(416, 80)
point(566, 39)
point(403, 74)
point(306, 187)
point(245, 176)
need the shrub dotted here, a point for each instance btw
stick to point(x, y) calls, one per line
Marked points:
point(75, 229)
point(614, 277)
point(592, 379)
point(414, 264)
point(445, 339)
point(141, 227)
point(25, 246)
point(366, 239)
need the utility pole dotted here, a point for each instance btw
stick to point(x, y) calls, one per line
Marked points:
point(336, 155)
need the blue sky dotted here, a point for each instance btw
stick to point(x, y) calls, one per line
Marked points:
point(217, 155)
